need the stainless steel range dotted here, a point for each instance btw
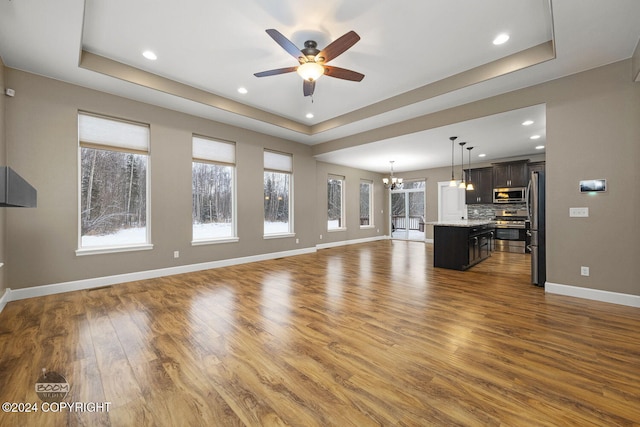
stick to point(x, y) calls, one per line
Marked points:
point(511, 230)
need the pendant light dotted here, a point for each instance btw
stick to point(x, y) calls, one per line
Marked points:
point(453, 181)
point(469, 183)
point(462, 183)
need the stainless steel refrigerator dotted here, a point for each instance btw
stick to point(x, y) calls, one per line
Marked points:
point(536, 208)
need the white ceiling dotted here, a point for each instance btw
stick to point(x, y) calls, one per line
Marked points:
point(216, 46)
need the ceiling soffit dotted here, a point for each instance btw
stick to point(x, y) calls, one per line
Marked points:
point(516, 61)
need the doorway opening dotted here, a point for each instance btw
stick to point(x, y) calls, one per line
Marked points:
point(408, 211)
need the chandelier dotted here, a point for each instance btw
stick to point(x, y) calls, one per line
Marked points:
point(392, 182)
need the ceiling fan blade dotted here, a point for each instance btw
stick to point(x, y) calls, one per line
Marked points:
point(337, 47)
point(285, 43)
point(308, 87)
point(275, 72)
point(342, 73)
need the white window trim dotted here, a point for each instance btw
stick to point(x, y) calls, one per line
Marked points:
point(371, 206)
point(278, 236)
point(291, 232)
point(204, 242)
point(113, 249)
point(234, 206)
point(98, 250)
point(343, 216)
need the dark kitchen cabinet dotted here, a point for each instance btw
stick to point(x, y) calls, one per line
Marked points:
point(536, 166)
point(511, 174)
point(459, 248)
point(482, 179)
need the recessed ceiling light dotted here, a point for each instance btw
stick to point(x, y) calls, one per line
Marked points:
point(502, 38)
point(149, 55)
point(309, 116)
point(534, 137)
point(242, 90)
point(539, 147)
point(527, 123)
point(482, 155)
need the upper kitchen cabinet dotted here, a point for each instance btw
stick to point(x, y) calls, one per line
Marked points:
point(482, 179)
point(536, 166)
point(511, 174)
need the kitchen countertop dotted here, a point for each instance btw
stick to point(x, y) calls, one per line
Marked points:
point(462, 223)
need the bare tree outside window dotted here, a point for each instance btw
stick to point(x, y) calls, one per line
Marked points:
point(212, 189)
point(276, 202)
point(278, 215)
point(113, 197)
point(212, 208)
point(113, 187)
point(335, 199)
point(366, 203)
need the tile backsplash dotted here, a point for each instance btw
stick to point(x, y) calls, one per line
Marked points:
point(488, 211)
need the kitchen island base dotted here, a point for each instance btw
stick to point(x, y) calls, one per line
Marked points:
point(459, 247)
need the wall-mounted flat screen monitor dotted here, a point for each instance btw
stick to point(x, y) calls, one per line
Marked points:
point(593, 185)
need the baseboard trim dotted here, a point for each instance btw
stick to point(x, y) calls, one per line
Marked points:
point(57, 288)
point(351, 242)
point(6, 297)
point(593, 294)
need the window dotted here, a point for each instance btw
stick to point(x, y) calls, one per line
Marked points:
point(366, 203)
point(114, 163)
point(335, 198)
point(278, 218)
point(212, 183)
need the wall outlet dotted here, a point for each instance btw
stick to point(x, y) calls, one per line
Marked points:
point(584, 271)
point(321, 237)
point(176, 254)
point(297, 241)
point(579, 212)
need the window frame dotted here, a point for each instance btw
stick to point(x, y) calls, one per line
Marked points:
point(343, 216)
point(371, 210)
point(97, 250)
point(226, 161)
point(269, 167)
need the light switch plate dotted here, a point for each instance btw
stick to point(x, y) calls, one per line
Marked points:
point(579, 212)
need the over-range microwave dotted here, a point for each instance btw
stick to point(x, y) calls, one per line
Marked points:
point(510, 195)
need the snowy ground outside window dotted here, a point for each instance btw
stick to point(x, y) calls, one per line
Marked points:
point(210, 231)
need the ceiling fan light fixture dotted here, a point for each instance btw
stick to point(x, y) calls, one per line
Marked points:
point(310, 71)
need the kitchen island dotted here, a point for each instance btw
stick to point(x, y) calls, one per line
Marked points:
point(459, 245)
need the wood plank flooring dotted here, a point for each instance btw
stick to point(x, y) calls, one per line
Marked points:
point(360, 335)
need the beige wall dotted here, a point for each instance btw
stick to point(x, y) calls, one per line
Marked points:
point(593, 131)
point(42, 135)
point(3, 162)
point(352, 229)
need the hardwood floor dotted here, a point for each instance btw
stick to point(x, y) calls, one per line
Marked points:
point(359, 335)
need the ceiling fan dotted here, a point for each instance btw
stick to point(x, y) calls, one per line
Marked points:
point(312, 61)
